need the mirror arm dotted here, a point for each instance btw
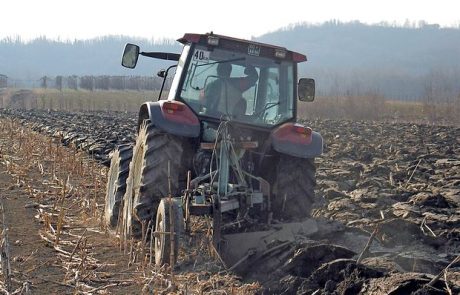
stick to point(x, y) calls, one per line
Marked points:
point(162, 55)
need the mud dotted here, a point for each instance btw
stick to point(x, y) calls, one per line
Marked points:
point(400, 180)
point(97, 133)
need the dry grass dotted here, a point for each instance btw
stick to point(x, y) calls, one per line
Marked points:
point(371, 107)
point(76, 100)
point(81, 100)
point(374, 107)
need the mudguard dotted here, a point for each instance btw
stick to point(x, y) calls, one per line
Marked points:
point(171, 116)
point(297, 140)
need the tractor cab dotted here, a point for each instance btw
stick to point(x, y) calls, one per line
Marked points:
point(220, 77)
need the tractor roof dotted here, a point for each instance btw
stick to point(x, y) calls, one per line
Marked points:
point(251, 47)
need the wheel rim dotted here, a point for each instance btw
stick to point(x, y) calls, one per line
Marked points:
point(132, 188)
point(137, 166)
point(111, 187)
point(159, 241)
point(160, 238)
point(136, 171)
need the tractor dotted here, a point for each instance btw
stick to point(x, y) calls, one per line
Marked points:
point(225, 143)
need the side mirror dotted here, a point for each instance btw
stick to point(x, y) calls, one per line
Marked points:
point(306, 89)
point(130, 56)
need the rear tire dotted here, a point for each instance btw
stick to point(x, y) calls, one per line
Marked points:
point(148, 180)
point(116, 183)
point(294, 186)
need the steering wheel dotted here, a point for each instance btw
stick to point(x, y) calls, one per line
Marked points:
point(267, 106)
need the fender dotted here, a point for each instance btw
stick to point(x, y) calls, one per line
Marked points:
point(171, 116)
point(297, 140)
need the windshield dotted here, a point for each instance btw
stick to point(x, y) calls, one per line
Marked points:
point(241, 87)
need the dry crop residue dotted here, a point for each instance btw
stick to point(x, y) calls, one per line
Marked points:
point(52, 204)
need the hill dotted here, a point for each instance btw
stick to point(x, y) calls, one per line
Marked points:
point(410, 62)
point(100, 56)
point(398, 62)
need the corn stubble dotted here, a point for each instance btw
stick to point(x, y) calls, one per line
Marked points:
point(66, 188)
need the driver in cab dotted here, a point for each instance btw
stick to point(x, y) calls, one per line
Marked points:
point(225, 94)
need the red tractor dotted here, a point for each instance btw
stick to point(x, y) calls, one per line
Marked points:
point(225, 143)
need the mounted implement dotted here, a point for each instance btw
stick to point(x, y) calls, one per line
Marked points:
point(225, 143)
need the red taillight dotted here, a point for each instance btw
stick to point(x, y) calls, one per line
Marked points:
point(172, 107)
point(178, 112)
point(293, 132)
point(297, 57)
point(306, 131)
point(191, 38)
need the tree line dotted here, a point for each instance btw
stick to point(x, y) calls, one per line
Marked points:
point(104, 82)
point(3, 81)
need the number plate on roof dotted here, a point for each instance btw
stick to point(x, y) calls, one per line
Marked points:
point(253, 50)
point(201, 55)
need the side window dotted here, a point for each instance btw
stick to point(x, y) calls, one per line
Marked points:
point(200, 69)
point(288, 108)
point(273, 89)
point(273, 95)
point(250, 97)
point(250, 94)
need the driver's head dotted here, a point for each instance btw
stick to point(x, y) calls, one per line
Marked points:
point(224, 69)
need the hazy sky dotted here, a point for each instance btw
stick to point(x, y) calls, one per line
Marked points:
point(84, 19)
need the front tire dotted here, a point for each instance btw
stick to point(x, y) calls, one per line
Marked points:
point(294, 186)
